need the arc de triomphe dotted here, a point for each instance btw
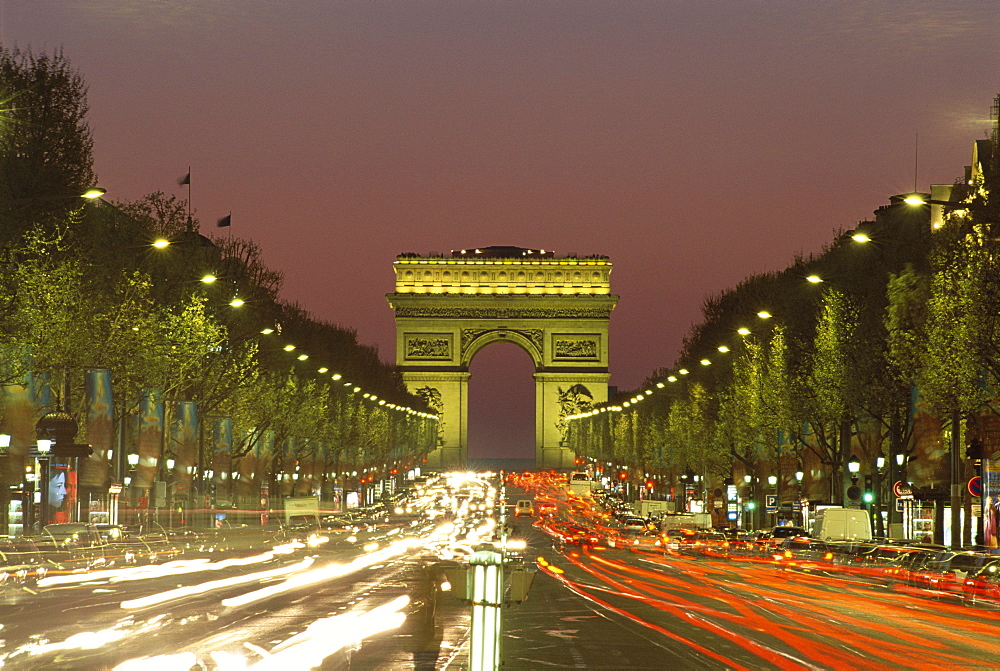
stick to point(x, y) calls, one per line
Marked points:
point(557, 310)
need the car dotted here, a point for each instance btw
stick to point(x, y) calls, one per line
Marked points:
point(673, 540)
point(22, 562)
point(546, 509)
point(524, 508)
point(788, 532)
point(802, 552)
point(945, 572)
point(982, 586)
point(635, 525)
point(77, 544)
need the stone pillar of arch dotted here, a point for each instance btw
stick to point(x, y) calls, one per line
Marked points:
point(558, 395)
point(556, 309)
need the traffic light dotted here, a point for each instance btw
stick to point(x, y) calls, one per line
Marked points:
point(751, 505)
point(869, 494)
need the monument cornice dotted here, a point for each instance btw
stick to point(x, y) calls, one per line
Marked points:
point(504, 306)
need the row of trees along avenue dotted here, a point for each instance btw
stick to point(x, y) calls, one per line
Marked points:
point(85, 285)
point(886, 343)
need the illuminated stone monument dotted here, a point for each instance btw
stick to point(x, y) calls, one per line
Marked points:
point(557, 310)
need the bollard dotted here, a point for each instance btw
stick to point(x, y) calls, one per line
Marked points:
point(486, 589)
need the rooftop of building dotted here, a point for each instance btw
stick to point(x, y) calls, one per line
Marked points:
point(498, 252)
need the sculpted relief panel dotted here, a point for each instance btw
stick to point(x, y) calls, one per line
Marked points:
point(428, 346)
point(578, 347)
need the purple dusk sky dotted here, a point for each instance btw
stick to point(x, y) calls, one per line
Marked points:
point(694, 143)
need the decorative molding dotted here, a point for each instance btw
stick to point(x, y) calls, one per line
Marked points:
point(535, 336)
point(414, 375)
point(503, 313)
point(470, 335)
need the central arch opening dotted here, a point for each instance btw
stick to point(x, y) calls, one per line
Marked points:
point(501, 405)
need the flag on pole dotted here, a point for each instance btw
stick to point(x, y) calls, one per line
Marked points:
point(186, 179)
point(225, 221)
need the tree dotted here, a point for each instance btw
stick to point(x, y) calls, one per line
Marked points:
point(952, 359)
point(46, 159)
point(825, 390)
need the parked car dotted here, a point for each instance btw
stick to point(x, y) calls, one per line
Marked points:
point(945, 572)
point(76, 545)
point(982, 585)
point(788, 532)
point(22, 562)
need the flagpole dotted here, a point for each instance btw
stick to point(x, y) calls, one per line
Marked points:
point(190, 222)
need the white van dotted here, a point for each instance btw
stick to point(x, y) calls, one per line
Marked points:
point(524, 507)
point(842, 524)
point(580, 484)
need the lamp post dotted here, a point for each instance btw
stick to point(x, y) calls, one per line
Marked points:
point(751, 505)
point(133, 461)
point(853, 467)
point(44, 447)
point(772, 480)
point(803, 509)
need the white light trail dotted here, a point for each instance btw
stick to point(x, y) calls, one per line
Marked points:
point(205, 587)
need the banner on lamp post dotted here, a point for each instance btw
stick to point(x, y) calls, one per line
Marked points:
point(184, 439)
point(99, 403)
point(150, 446)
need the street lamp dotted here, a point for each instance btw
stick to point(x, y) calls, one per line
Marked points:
point(854, 466)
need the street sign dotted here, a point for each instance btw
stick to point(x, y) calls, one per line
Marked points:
point(902, 489)
point(976, 486)
point(771, 503)
point(854, 492)
point(900, 505)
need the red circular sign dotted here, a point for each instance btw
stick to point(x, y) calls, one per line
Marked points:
point(897, 488)
point(976, 486)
